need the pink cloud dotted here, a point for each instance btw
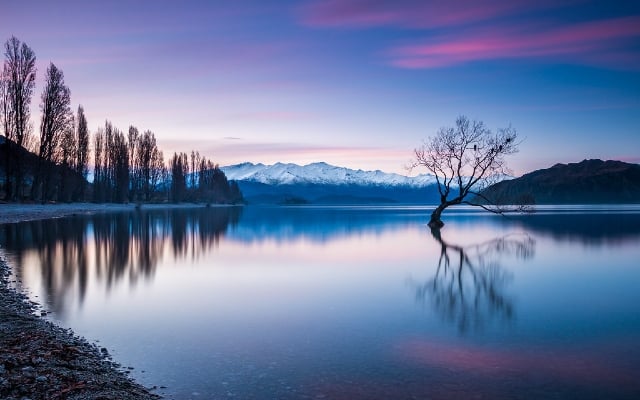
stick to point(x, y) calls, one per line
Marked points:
point(596, 42)
point(412, 13)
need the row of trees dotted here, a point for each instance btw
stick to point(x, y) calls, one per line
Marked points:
point(195, 178)
point(131, 168)
point(126, 167)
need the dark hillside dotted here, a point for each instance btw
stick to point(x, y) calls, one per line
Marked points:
point(65, 181)
point(586, 182)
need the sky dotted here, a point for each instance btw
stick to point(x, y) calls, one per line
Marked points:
point(355, 83)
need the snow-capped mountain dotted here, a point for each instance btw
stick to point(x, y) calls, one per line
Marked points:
point(322, 183)
point(321, 173)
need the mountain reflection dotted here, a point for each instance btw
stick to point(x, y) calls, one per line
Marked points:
point(468, 288)
point(589, 228)
point(323, 224)
point(109, 248)
point(320, 224)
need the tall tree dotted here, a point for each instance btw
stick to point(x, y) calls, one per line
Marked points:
point(6, 124)
point(67, 159)
point(82, 155)
point(18, 76)
point(465, 159)
point(134, 169)
point(159, 174)
point(147, 152)
point(116, 164)
point(195, 162)
point(179, 165)
point(119, 162)
point(56, 117)
point(98, 171)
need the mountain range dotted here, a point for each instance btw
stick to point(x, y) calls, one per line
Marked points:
point(322, 183)
point(589, 181)
point(321, 173)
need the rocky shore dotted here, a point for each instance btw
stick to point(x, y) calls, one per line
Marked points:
point(42, 361)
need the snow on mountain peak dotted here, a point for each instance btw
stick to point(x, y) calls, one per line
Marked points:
point(320, 173)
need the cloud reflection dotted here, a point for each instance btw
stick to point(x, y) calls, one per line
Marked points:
point(580, 366)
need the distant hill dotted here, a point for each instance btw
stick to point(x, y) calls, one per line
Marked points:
point(586, 182)
point(30, 162)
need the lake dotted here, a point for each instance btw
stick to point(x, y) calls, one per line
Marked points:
point(348, 302)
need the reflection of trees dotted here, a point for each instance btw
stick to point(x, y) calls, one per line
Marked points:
point(126, 245)
point(108, 248)
point(468, 288)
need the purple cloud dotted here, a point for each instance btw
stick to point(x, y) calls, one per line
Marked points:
point(485, 30)
point(594, 43)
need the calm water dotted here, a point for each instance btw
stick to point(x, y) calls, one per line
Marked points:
point(349, 303)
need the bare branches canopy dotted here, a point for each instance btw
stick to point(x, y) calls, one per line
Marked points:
point(17, 83)
point(465, 159)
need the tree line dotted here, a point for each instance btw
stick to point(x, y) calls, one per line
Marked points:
point(55, 164)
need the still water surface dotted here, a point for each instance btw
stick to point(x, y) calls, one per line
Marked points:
point(348, 303)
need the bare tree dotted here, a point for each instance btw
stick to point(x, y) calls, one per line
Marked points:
point(68, 147)
point(56, 117)
point(195, 162)
point(179, 165)
point(117, 152)
point(67, 159)
point(147, 152)
point(6, 124)
point(6, 111)
point(82, 154)
point(98, 171)
point(159, 174)
point(18, 77)
point(465, 159)
point(135, 182)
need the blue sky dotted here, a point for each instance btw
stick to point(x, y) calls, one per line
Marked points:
point(357, 83)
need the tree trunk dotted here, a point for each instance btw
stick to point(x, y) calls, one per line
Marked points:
point(435, 222)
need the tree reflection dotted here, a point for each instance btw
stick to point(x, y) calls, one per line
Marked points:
point(109, 248)
point(468, 288)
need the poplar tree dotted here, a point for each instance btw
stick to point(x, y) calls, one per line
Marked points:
point(56, 117)
point(16, 89)
point(82, 154)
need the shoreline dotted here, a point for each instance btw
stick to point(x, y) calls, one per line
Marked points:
point(40, 360)
point(18, 212)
